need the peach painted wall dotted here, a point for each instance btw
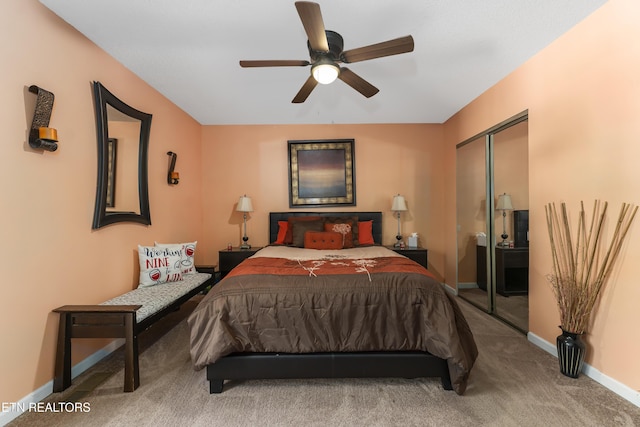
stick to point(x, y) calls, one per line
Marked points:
point(583, 97)
point(389, 159)
point(50, 256)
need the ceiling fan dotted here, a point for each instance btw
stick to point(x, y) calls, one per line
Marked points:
point(325, 50)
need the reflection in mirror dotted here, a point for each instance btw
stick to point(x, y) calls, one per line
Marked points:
point(492, 276)
point(511, 176)
point(123, 138)
point(471, 213)
point(122, 162)
point(112, 155)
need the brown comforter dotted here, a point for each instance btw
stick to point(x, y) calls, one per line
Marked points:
point(331, 301)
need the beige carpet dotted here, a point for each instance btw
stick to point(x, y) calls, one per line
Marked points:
point(513, 383)
point(514, 309)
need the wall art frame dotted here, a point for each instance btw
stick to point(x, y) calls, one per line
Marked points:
point(322, 173)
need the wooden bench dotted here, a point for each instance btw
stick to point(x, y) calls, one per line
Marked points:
point(125, 316)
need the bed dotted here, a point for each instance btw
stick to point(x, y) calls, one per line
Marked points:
point(365, 311)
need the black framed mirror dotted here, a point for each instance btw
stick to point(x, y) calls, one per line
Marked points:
point(122, 191)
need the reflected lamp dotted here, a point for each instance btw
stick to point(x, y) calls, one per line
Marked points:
point(504, 204)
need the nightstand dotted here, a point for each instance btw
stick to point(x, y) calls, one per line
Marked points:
point(228, 259)
point(418, 255)
point(512, 271)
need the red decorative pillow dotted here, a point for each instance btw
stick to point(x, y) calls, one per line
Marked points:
point(345, 229)
point(365, 233)
point(322, 240)
point(288, 238)
point(283, 227)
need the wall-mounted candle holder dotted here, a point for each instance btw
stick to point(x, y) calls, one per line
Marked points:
point(41, 136)
point(172, 177)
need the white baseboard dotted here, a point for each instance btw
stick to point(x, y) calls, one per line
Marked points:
point(543, 344)
point(615, 386)
point(449, 289)
point(18, 408)
point(468, 285)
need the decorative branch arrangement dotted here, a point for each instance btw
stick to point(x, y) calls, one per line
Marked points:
point(579, 270)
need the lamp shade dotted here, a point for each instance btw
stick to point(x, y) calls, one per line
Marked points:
point(244, 204)
point(399, 204)
point(504, 203)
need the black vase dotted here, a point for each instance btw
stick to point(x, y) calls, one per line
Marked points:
point(571, 352)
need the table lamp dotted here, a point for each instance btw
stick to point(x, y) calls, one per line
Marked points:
point(398, 205)
point(244, 206)
point(504, 205)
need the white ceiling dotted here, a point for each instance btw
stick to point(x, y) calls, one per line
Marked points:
point(189, 51)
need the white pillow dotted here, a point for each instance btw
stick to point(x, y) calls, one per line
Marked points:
point(159, 265)
point(188, 264)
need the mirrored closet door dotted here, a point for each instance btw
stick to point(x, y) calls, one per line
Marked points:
point(492, 193)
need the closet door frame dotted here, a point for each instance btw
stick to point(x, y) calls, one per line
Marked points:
point(490, 196)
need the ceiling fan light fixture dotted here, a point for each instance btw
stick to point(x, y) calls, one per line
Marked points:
point(325, 72)
point(326, 51)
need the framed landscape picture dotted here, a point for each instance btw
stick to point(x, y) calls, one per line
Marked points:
point(322, 173)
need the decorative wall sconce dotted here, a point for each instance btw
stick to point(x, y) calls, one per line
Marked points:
point(41, 136)
point(172, 177)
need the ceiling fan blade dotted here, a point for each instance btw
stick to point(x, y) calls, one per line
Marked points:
point(313, 25)
point(357, 82)
point(378, 50)
point(305, 90)
point(276, 63)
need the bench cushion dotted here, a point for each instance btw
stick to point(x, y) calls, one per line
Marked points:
point(155, 298)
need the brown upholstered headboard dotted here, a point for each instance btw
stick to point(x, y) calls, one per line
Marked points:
point(274, 217)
